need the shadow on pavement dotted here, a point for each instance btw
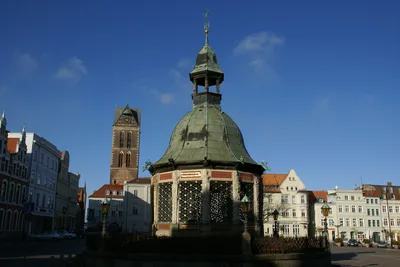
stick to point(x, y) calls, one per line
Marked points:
point(343, 256)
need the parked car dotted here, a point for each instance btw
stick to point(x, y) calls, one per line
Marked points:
point(53, 235)
point(66, 235)
point(381, 244)
point(352, 243)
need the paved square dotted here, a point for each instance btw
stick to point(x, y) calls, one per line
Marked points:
point(360, 256)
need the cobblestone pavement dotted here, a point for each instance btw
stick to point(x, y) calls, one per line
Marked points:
point(361, 256)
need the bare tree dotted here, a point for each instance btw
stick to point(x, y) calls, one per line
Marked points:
point(270, 204)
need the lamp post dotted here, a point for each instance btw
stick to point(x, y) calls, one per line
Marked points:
point(105, 206)
point(246, 238)
point(325, 211)
point(337, 227)
point(275, 213)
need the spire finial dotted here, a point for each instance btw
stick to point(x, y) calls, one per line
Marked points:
point(23, 127)
point(4, 113)
point(206, 24)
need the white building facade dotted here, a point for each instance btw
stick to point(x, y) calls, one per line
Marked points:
point(287, 194)
point(137, 206)
point(317, 220)
point(43, 158)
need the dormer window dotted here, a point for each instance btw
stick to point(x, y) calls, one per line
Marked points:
point(107, 192)
point(121, 192)
point(115, 192)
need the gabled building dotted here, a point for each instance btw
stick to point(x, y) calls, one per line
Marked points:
point(13, 178)
point(287, 194)
point(386, 198)
point(137, 206)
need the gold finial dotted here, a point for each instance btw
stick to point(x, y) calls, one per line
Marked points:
point(206, 24)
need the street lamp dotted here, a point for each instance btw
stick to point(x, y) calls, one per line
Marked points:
point(105, 206)
point(275, 213)
point(245, 204)
point(246, 238)
point(325, 211)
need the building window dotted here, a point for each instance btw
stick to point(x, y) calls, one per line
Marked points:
point(341, 221)
point(354, 222)
point(120, 159)
point(128, 159)
point(113, 213)
point(135, 193)
point(385, 222)
point(352, 197)
point(340, 208)
point(368, 212)
point(373, 223)
point(377, 212)
point(303, 199)
point(121, 139)
point(115, 192)
point(346, 197)
point(384, 209)
point(293, 199)
point(391, 222)
point(134, 211)
point(107, 192)
point(376, 201)
point(378, 223)
point(353, 209)
point(369, 223)
point(367, 200)
point(120, 213)
point(361, 222)
point(397, 209)
point(284, 199)
point(121, 193)
point(303, 213)
point(296, 229)
point(331, 222)
point(347, 222)
point(360, 209)
point(347, 208)
point(373, 212)
point(286, 229)
point(129, 140)
point(398, 222)
point(390, 209)
point(294, 213)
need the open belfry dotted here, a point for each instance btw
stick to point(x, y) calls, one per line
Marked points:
point(199, 181)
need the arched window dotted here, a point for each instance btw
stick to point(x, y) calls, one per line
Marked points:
point(129, 140)
point(3, 193)
point(121, 139)
point(120, 159)
point(23, 195)
point(128, 159)
point(30, 197)
point(16, 200)
point(7, 222)
point(11, 193)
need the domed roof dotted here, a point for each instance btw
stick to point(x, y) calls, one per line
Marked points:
point(207, 136)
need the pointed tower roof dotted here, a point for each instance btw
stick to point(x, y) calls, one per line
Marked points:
point(206, 67)
point(135, 112)
point(22, 140)
point(3, 120)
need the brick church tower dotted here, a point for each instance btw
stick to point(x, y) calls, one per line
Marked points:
point(125, 145)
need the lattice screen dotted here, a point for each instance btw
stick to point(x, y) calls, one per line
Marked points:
point(221, 202)
point(190, 202)
point(247, 189)
point(165, 202)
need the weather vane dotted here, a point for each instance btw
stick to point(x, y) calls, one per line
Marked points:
point(206, 22)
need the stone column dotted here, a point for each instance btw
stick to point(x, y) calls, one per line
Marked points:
point(217, 86)
point(205, 202)
point(256, 204)
point(175, 204)
point(195, 88)
point(155, 205)
point(206, 84)
point(236, 198)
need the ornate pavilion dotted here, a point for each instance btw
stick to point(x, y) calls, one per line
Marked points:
point(199, 181)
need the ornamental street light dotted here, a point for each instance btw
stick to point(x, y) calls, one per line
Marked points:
point(246, 238)
point(275, 213)
point(325, 212)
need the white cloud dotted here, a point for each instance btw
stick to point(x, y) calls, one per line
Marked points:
point(72, 70)
point(322, 104)
point(3, 90)
point(183, 66)
point(185, 63)
point(26, 64)
point(164, 98)
point(259, 48)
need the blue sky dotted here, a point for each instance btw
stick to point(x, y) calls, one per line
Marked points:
point(313, 85)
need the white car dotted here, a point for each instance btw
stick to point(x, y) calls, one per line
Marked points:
point(47, 236)
point(66, 235)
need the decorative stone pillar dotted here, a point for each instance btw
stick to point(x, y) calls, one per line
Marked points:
point(256, 204)
point(206, 84)
point(217, 86)
point(205, 201)
point(195, 88)
point(175, 204)
point(155, 201)
point(236, 198)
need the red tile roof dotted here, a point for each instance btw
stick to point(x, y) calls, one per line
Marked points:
point(140, 181)
point(378, 190)
point(273, 179)
point(12, 144)
point(320, 194)
point(101, 192)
